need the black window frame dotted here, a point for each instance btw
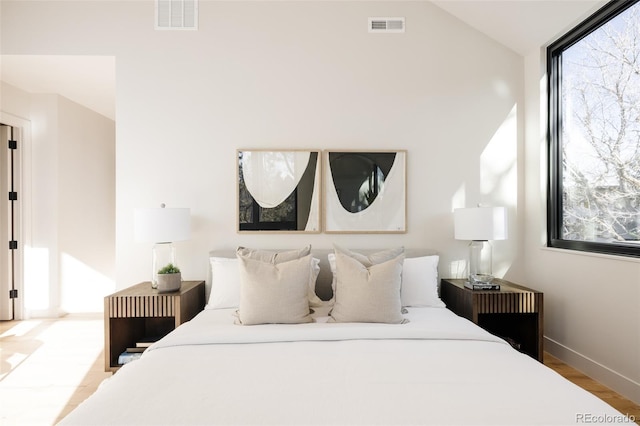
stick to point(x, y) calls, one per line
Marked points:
point(280, 225)
point(554, 135)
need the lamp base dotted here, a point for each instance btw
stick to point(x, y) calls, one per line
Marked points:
point(162, 255)
point(480, 259)
point(481, 278)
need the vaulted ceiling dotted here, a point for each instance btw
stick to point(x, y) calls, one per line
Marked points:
point(521, 25)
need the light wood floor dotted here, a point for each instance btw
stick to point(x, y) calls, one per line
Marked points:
point(49, 366)
point(625, 406)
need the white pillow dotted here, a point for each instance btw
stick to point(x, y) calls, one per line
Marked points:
point(420, 282)
point(225, 283)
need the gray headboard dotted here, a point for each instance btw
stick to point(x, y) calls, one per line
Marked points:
point(323, 283)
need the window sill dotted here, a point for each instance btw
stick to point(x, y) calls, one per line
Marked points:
point(592, 254)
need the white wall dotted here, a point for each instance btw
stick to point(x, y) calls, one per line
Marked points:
point(299, 75)
point(69, 205)
point(260, 75)
point(42, 269)
point(86, 202)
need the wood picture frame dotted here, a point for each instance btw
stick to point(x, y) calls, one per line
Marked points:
point(279, 190)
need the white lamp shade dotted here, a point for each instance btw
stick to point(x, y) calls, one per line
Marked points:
point(480, 223)
point(162, 225)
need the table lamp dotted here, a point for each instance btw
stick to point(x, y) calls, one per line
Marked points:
point(161, 226)
point(480, 225)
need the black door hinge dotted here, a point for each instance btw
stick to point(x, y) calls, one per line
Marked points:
point(13, 245)
point(13, 196)
point(13, 294)
point(13, 144)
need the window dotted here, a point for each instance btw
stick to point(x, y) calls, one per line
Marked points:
point(594, 133)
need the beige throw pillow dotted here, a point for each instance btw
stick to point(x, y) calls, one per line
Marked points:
point(365, 259)
point(274, 293)
point(373, 258)
point(285, 256)
point(273, 256)
point(367, 293)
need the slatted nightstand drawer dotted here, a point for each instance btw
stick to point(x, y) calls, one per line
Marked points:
point(515, 303)
point(141, 306)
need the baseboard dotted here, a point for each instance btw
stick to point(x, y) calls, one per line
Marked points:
point(623, 385)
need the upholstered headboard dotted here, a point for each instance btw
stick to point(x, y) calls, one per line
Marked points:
point(323, 283)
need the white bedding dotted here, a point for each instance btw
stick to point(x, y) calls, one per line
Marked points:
point(436, 369)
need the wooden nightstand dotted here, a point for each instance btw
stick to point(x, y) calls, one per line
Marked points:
point(140, 312)
point(514, 312)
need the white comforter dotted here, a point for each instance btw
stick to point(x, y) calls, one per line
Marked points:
point(437, 369)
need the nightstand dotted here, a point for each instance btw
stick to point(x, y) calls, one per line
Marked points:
point(514, 312)
point(141, 312)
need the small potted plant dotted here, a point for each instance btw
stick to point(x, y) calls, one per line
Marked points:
point(169, 278)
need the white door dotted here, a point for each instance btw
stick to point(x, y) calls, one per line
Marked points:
point(9, 220)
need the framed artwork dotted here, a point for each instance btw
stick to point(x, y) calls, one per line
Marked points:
point(365, 191)
point(279, 190)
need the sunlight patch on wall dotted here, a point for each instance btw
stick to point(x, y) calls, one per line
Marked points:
point(499, 183)
point(498, 163)
point(83, 288)
point(457, 268)
point(459, 199)
point(36, 277)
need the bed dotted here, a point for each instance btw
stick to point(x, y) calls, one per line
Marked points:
point(422, 366)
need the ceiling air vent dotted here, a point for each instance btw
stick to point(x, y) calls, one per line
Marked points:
point(176, 15)
point(386, 25)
